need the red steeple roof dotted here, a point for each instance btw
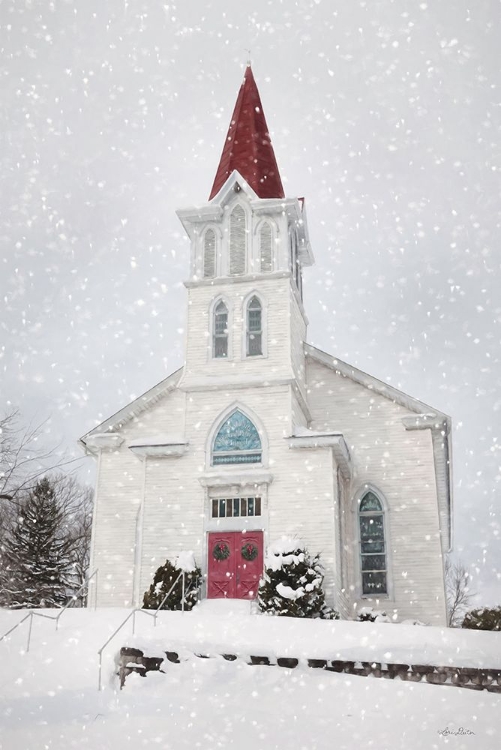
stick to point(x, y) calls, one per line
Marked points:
point(248, 146)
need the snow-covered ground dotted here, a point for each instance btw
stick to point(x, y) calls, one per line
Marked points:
point(49, 697)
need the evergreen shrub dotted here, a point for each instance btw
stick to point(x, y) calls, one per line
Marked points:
point(368, 614)
point(486, 618)
point(292, 582)
point(164, 579)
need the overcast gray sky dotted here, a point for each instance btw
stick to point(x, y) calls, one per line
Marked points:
point(385, 115)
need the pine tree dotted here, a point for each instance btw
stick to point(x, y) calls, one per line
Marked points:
point(292, 582)
point(37, 552)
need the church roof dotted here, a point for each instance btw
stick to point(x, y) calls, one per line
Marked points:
point(247, 148)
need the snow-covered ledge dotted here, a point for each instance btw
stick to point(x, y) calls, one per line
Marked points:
point(103, 441)
point(426, 421)
point(161, 446)
point(311, 440)
point(242, 478)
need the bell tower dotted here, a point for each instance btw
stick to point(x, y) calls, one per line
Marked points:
point(249, 243)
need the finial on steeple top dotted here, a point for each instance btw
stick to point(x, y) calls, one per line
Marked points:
point(248, 56)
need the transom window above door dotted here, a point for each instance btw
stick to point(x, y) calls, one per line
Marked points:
point(237, 441)
point(235, 507)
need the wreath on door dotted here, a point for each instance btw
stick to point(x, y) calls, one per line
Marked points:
point(249, 552)
point(221, 551)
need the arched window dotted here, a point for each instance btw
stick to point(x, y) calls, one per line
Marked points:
point(209, 254)
point(294, 261)
point(220, 331)
point(372, 545)
point(237, 241)
point(254, 328)
point(265, 240)
point(237, 441)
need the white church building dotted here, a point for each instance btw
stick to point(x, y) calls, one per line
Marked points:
point(261, 435)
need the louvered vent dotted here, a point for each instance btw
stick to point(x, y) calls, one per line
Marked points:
point(265, 244)
point(209, 254)
point(237, 241)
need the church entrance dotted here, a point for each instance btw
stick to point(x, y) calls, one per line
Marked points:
point(235, 564)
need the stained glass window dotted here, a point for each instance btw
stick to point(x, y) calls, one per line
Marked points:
point(254, 328)
point(372, 546)
point(237, 441)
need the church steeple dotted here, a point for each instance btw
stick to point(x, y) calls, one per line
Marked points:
point(248, 148)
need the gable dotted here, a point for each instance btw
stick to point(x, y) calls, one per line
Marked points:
point(342, 397)
point(139, 408)
point(409, 403)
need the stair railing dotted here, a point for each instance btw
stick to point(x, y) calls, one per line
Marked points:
point(144, 612)
point(31, 615)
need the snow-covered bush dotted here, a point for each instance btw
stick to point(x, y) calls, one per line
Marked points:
point(164, 579)
point(486, 618)
point(292, 582)
point(368, 614)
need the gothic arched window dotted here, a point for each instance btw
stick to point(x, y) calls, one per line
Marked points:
point(237, 441)
point(237, 241)
point(209, 254)
point(220, 331)
point(372, 545)
point(254, 328)
point(265, 243)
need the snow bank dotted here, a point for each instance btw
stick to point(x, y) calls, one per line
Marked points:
point(49, 697)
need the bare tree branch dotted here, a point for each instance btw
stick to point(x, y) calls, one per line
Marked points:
point(23, 460)
point(459, 594)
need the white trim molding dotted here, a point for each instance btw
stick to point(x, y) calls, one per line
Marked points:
point(333, 440)
point(162, 446)
point(101, 441)
point(251, 478)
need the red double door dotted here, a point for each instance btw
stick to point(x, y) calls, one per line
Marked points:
point(235, 564)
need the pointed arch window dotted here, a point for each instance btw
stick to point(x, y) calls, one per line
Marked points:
point(220, 331)
point(237, 241)
point(294, 261)
point(372, 546)
point(265, 243)
point(237, 441)
point(209, 254)
point(254, 345)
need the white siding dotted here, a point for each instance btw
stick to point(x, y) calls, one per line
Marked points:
point(400, 463)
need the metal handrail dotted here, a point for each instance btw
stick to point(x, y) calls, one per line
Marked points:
point(133, 615)
point(31, 615)
point(169, 593)
point(75, 596)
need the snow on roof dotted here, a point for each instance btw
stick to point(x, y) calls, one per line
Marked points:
point(158, 440)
